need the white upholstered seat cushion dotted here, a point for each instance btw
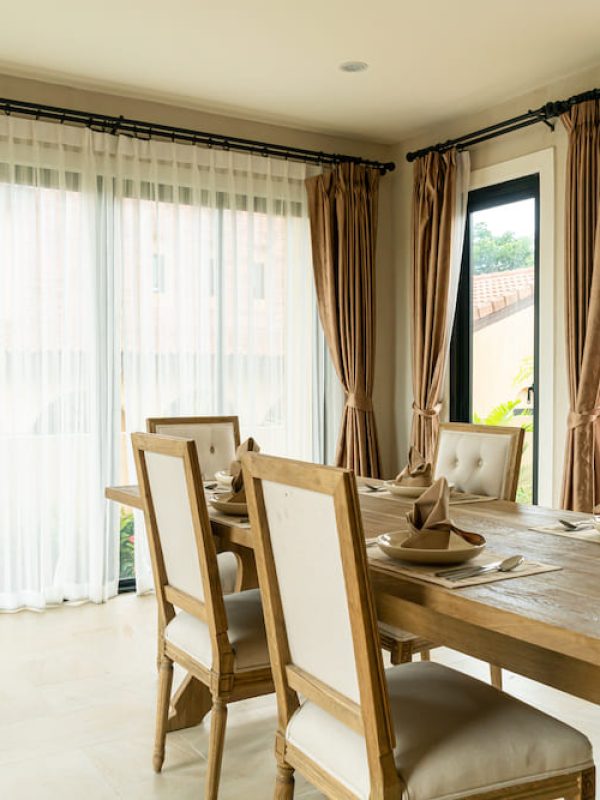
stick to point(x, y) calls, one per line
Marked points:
point(246, 632)
point(454, 737)
point(227, 564)
point(474, 461)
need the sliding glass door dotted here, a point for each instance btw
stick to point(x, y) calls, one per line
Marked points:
point(494, 350)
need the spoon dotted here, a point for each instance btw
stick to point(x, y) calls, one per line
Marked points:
point(510, 563)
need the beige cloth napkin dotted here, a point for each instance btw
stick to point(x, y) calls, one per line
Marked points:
point(238, 494)
point(417, 472)
point(429, 523)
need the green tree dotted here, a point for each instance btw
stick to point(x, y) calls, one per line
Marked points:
point(499, 253)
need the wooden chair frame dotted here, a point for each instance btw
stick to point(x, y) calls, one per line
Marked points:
point(372, 717)
point(225, 685)
point(516, 435)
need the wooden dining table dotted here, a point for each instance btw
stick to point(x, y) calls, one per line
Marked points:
point(545, 626)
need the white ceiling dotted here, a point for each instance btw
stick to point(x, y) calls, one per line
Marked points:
point(277, 60)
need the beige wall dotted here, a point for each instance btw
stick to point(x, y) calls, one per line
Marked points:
point(528, 140)
point(150, 111)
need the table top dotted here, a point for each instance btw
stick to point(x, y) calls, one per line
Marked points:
point(558, 610)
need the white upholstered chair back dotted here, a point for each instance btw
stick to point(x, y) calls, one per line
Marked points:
point(306, 550)
point(174, 522)
point(184, 557)
point(216, 438)
point(317, 599)
point(480, 459)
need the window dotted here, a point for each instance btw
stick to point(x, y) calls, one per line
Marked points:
point(139, 279)
point(494, 351)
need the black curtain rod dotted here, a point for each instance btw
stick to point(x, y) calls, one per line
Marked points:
point(121, 126)
point(544, 114)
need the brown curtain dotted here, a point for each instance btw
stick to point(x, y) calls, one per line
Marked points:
point(342, 205)
point(434, 197)
point(581, 480)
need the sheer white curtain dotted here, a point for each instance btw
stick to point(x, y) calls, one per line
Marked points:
point(58, 405)
point(216, 294)
point(138, 279)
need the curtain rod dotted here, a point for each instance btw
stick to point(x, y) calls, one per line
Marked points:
point(137, 129)
point(544, 114)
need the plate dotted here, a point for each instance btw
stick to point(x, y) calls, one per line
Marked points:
point(232, 509)
point(408, 491)
point(391, 544)
point(223, 477)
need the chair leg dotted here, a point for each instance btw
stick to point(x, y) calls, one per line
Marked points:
point(496, 676)
point(165, 682)
point(426, 655)
point(284, 786)
point(216, 743)
point(401, 653)
point(588, 784)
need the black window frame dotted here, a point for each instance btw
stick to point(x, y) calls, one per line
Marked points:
point(461, 344)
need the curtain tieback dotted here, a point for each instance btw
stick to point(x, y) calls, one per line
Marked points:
point(428, 412)
point(359, 401)
point(578, 418)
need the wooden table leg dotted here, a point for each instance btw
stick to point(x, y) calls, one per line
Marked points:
point(190, 703)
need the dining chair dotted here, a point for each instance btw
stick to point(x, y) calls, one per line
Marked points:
point(219, 639)
point(421, 731)
point(480, 459)
point(217, 438)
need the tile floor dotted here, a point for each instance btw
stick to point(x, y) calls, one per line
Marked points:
point(77, 702)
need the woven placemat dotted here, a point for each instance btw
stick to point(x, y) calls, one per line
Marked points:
point(382, 563)
point(583, 534)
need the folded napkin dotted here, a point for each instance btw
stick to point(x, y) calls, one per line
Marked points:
point(238, 493)
point(429, 523)
point(417, 472)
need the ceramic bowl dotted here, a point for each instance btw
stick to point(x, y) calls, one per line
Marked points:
point(391, 544)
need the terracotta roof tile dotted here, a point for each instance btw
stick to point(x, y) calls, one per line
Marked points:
point(494, 291)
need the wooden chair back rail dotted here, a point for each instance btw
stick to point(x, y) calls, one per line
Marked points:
point(186, 602)
point(326, 697)
point(373, 719)
point(516, 435)
point(152, 423)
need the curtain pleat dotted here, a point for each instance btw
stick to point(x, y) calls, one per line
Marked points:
point(581, 478)
point(342, 206)
point(59, 399)
point(439, 212)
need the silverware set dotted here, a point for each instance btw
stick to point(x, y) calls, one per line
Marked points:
point(460, 573)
